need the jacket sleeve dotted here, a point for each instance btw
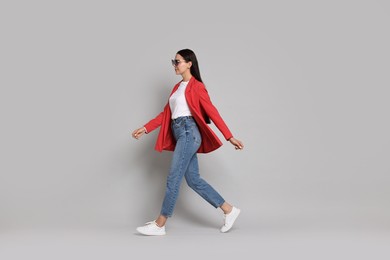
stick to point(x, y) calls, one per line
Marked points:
point(212, 112)
point(155, 122)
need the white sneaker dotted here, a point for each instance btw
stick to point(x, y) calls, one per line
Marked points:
point(229, 219)
point(151, 229)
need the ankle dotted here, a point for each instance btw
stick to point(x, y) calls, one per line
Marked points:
point(159, 225)
point(226, 208)
point(161, 220)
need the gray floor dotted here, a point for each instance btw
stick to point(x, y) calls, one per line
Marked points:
point(186, 240)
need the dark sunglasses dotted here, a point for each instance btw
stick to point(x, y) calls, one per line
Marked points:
point(176, 62)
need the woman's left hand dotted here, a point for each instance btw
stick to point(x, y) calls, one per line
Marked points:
point(237, 143)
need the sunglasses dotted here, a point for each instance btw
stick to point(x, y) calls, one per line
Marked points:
point(176, 62)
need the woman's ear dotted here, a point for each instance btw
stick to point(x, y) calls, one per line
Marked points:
point(190, 64)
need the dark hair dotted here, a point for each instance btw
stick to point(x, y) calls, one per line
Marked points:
point(188, 55)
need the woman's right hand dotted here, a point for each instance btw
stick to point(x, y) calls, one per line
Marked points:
point(139, 132)
point(237, 143)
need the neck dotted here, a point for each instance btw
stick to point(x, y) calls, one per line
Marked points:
point(186, 76)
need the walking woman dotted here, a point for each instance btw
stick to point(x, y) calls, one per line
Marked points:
point(184, 130)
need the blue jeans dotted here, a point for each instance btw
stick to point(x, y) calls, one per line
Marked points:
point(185, 163)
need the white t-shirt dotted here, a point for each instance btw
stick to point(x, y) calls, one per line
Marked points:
point(178, 102)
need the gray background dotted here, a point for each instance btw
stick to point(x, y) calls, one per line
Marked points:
point(304, 84)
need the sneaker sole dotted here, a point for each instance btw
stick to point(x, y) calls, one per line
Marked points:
point(150, 234)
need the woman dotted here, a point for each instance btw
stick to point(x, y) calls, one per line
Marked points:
point(184, 130)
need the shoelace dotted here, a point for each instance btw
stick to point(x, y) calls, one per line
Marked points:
point(152, 223)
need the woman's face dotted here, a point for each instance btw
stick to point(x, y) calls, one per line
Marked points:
point(182, 66)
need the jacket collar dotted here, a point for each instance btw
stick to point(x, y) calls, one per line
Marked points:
point(188, 88)
point(190, 83)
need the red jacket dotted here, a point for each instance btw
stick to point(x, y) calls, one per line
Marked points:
point(201, 108)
